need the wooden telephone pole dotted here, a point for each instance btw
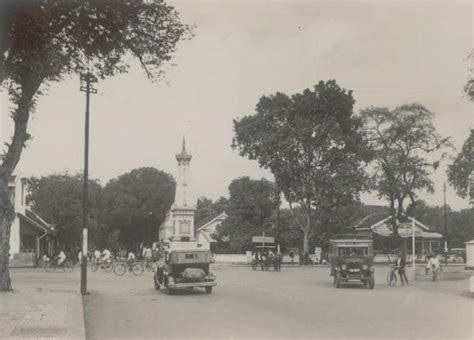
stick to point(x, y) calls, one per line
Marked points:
point(86, 86)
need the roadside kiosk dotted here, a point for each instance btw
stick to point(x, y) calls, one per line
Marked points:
point(470, 254)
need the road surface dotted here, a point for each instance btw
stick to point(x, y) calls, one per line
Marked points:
point(298, 302)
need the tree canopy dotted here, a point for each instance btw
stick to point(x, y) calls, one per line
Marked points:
point(136, 204)
point(44, 40)
point(314, 146)
point(407, 149)
point(58, 199)
point(461, 170)
point(250, 207)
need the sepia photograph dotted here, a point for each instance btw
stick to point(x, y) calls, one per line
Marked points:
point(236, 169)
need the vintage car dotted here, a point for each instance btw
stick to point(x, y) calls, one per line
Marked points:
point(185, 269)
point(351, 261)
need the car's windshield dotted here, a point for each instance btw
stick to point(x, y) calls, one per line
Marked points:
point(353, 251)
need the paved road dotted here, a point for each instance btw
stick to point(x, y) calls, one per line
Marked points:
point(298, 302)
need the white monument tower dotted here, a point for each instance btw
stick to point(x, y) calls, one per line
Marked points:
point(178, 228)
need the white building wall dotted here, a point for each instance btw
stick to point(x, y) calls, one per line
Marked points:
point(15, 237)
point(19, 206)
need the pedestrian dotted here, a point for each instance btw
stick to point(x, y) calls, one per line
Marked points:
point(428, 264)
point(401, 264)
point(292, 256)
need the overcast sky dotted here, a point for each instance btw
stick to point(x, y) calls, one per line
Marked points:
point(388, 53)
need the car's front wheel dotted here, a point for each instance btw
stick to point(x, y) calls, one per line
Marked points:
point(208, 290)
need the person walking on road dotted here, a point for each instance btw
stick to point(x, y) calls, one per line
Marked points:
point(401, 264)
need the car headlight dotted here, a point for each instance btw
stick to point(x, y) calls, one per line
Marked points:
point(344, 266)
point(365, 266)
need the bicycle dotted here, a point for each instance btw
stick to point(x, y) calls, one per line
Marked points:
point(105, 266)
point(392, 276)
point(150, 266)
point(51, 266)
point(136, 268)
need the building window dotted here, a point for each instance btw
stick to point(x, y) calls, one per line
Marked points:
point(28, 244)
point(184, 227)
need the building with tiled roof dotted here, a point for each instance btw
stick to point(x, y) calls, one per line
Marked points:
point(379, 228)
point(206, 228)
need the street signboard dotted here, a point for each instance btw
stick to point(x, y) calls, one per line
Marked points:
point(263, 239)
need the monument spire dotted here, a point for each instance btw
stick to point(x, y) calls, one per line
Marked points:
point(179, 222)
point(183, 158)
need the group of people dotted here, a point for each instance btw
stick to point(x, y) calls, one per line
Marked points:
point(433, 264)
point(266, 259)
point(60, 258)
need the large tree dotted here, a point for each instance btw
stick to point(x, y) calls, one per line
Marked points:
point(314, 146)
point(136, 204)
point(407, 149)
point(250, 207)
point(42, 41)
point(461, 170)
point(58, 199)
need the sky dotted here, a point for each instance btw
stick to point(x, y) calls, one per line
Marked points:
point(388, 52)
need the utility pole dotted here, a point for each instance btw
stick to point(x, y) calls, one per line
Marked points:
point(445, 222)
point(278, 219)
point(86, 86)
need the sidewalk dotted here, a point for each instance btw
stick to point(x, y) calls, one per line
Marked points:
point(42, 306)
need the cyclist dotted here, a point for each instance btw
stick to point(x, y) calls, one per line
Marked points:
point(61, 258)
point(130, 259)
point(147, 255)
point(97, 256)
point(434, 265)
point(401, 264)
point(106, 255)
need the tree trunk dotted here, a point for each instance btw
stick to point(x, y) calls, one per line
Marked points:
point(6, 218)
point(307, 230)
point(393, 222)
point(393, 219)
point(20, 115)
point(306, 242)
point(401, 242)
